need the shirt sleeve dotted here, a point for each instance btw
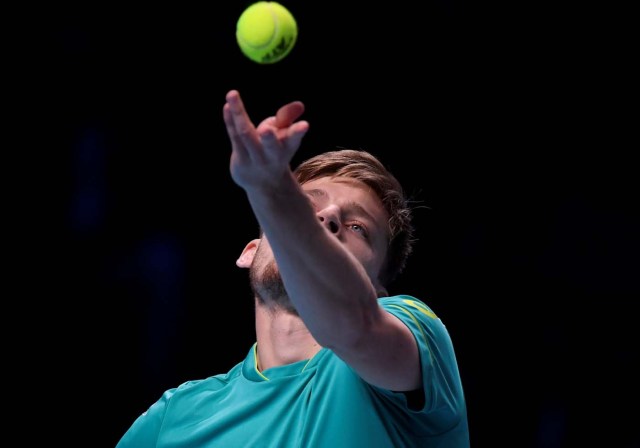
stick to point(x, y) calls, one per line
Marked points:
point(444, 398)
point(145, 429)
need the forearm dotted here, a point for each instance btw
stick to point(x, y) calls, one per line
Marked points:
point(328, 286)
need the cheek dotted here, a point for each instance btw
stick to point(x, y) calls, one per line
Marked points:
point(377, 257)
point(368, 257)
point(259, 260)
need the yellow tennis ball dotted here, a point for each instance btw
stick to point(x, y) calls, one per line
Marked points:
point(266, 32)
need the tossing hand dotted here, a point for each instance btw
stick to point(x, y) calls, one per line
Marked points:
point(261, 155)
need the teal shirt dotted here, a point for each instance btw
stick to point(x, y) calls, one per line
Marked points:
point(316, 403)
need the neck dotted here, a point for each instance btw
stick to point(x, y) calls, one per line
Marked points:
point(282, 338)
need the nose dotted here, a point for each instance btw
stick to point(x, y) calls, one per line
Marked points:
point(330, 218)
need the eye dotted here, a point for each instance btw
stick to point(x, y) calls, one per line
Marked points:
point(359, 228)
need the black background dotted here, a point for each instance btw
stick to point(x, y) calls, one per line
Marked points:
point(506, 123)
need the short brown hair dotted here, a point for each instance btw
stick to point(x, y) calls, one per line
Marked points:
point(368, 169)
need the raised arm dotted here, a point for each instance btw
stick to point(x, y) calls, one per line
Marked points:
point(329, 250)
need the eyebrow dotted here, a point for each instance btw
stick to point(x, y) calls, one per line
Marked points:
point(316, 193)
point(351, 205)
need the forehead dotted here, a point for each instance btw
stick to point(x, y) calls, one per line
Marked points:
point(346, 191)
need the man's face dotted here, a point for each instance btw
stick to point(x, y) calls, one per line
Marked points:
point(350, 212)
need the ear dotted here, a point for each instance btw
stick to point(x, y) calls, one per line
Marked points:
point(249, 251)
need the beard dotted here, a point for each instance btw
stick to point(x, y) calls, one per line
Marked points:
point(267, 286)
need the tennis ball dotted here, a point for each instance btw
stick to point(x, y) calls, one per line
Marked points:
point(266, 32)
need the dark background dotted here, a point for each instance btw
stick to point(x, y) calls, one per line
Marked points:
point(506, 123)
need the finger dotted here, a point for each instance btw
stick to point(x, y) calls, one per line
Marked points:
point(285, 142)
point(236, 143)
point(289, 113)
point(277, 152)
point(242, 122)
point(295, 134)
point(245, 131)
point(288, 139)
point(270, 142)
point(229, 123)
point(236, 107)
point(267, 122)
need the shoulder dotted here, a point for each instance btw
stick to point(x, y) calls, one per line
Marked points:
point(197, 386)
point(417, 315)
point(407, 305)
